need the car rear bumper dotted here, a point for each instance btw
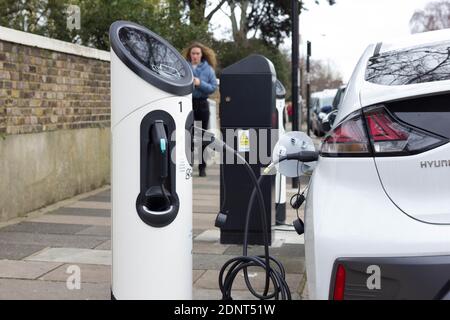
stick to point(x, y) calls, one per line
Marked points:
point(356, 219)
point(394, 278)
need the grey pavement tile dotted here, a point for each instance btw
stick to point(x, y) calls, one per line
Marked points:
point(209, 261)
point(42, 227)
point(98, 198)
point(205, 294)
point(206, 247)
point(196, 232)
point(73, 255)
point(50, 240)
point(215, 262)
point(15, 251)
point(205, 191)
point(197, 274)
point(67, 219)
point(214, 203)
point(14, 289)
point(204, 221)
point(208, 294)
point(89, 273)
point(82, 212)
point(293, 265)
point(210, 235)
point(25, 269)
point(206, 209)
point(288, 250)
point(257, 277)
point(90, 205)
point(202, 187)
point(104, 246)
point(102, 231)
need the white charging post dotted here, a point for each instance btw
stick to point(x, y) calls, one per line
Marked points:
point(280, 180)
point(151, 104)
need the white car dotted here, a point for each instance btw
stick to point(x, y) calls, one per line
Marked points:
point(377, 215)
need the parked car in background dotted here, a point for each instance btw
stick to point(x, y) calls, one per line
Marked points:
point(321, 104)
point(383, 231)
point(328, 120)
point(339, 97)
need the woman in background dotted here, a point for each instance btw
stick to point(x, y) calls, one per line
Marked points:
point(203, 62)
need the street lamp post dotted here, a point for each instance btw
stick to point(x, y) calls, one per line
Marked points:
point(295, 58)
point(308, 88)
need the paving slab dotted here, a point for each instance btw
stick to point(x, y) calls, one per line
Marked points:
point(257, 277)
point(98, 198)
point(73, 255)
point(208, 294)
point(50, 240)
point(205, 191)
point(42, 227)
point(15, 251)
point(212, 248)
point(91, 205)
point(25, 269)
point(211, 235)
point(104, 246)
point(89, 273)
point(290, 237)
point(215, 262)
point(102, 231)
point(14, 289)
point(68, 219)
point(206, 209)
point(196, 232)
point(202, 261)
point(196, 274)
point(90, 212)
point(204, 221)
point(105, 193)
point(287, 250)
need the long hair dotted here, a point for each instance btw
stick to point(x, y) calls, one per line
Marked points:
point(207, 53)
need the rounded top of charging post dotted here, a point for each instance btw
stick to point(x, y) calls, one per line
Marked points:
point(280, 90)
point(253, 64)
point(151, 57)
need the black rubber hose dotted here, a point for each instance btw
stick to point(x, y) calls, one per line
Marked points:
point(237, 264)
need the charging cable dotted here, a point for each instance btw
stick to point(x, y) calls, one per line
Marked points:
point(275, 275)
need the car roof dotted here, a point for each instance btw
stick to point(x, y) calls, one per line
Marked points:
point(414, 40)
point(375, 93)
point(361, 93)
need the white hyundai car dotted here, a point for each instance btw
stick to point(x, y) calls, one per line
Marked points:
point(377, 216)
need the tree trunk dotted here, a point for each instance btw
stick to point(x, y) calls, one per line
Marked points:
point(239, 30)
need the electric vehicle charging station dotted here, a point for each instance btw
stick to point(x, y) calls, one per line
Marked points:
point(151, 104)
point(280, 180)
point(247, 103)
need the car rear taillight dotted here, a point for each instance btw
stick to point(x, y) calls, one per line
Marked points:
point(375, 132)
point(390, 137)
point(347, 139)
point(339, 283)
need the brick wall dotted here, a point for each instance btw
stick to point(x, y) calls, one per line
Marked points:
point(43, 90)
point(54, 121)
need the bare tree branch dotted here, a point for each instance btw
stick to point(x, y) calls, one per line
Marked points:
point(210, 15)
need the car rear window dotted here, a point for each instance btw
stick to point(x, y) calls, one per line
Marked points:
point(415, 65)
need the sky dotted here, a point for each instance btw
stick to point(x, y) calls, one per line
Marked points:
point(340, 33)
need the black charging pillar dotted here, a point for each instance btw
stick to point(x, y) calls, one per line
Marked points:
point(247, 115)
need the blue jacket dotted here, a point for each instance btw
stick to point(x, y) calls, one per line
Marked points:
point(208, 81)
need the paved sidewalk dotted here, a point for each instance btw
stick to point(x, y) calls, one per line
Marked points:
point(36, 252)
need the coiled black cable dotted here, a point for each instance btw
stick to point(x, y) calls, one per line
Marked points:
point(275, 274)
